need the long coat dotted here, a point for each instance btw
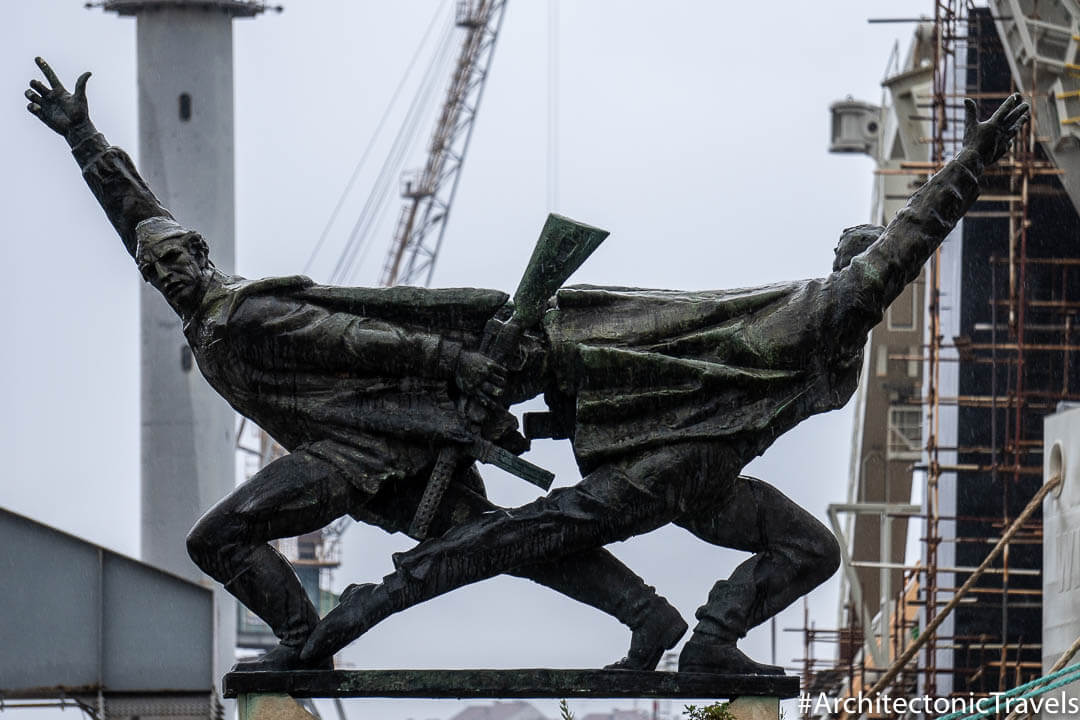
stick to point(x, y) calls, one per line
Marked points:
point(638, 369)
point(646, 368)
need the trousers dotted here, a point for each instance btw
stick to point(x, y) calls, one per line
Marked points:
point(695, 485)
point(305, 490)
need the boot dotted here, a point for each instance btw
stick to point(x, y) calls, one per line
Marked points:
point(699, 655)
point(269, 588)
point(359, 609)
point(282, 657)
point(656, 626)
point(733, 605)
point(599, 580)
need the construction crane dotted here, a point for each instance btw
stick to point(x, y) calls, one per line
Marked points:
point(429, 191)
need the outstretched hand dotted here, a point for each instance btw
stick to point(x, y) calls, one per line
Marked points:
point(991, 138)
point(55, 106)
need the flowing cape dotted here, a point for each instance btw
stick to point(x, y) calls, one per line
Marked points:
point(652, 367)
point(290, 372)
point(457, 312)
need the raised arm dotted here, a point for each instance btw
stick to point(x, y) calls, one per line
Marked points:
point(108, 170)
point(877, 276)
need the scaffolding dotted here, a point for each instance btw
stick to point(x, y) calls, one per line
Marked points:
point(1009, 366)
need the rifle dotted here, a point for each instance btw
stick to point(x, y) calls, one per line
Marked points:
point(563, 246)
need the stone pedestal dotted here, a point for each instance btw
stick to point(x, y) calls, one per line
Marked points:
point(269, 695)
point(749, 707)
point(271, 706)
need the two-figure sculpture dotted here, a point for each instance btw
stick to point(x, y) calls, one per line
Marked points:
point(383, 397)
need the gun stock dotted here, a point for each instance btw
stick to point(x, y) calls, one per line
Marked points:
point(563, 246)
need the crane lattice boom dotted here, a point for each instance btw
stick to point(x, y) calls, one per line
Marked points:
point(429, 192)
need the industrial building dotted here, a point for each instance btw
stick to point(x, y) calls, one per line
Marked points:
point(948, 443)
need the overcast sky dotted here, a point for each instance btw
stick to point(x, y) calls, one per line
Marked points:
point(696, 132)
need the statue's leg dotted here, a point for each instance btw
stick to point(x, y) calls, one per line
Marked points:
point(294, 494)
point(594, 577)
point(793, 554)
point(597, 578)
point(614, 502)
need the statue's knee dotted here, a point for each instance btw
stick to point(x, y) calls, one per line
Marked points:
point(831, 554)
point(824, 553)
point(206, 539)
point(198, 543)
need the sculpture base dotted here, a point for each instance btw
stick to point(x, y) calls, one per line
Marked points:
point(271, 706)
point(501, 684)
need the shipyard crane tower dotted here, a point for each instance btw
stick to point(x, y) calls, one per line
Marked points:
point(429, 191)
point(184, 54)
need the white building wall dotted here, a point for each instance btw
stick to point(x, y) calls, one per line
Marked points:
point(1061, 544)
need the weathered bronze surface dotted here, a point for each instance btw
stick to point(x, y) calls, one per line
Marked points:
point(362, 386)
point(665, 396)
point(518, 683)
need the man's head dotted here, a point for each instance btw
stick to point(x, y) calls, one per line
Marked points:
point(174, 260)
point(853, 241)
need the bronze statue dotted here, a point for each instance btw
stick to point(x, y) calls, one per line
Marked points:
point(362, 386)
point(664, 395)
point(667, 395)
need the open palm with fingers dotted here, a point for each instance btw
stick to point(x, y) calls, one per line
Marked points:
point(54, 105)
point(991, 138)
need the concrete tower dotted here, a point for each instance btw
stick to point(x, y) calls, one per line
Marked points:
point(185, 81)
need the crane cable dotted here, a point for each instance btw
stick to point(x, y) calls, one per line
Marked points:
point(371, 144)
point(553, 107)
point(439, 12)
point(419, 111)
point(404, 141)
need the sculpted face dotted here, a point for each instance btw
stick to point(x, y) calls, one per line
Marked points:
point(176, 270)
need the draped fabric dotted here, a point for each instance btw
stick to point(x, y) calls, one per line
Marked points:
point(361, 377)
point(652, 367)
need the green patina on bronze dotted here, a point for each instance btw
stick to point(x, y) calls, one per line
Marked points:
point(516, 683)
point(665, 396)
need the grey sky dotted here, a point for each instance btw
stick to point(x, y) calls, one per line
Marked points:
point(695, 131)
